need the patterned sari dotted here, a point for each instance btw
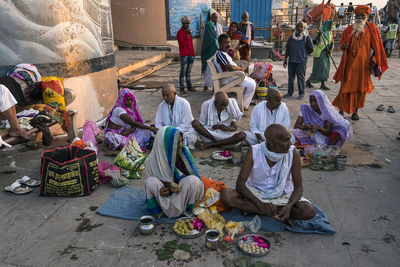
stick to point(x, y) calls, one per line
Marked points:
point(163, 167)
point(114, 138)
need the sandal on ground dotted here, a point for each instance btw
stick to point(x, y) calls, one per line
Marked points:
point(17, 189)
point(309, 85)
point(355, 117)
point(192, 89)
point(391, 109)
point(28, 181)
point(381, 107)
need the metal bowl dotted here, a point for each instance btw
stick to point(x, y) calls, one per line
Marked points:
point(249, 236)
point(217, 152)
point(146, 224)
point(189, 236)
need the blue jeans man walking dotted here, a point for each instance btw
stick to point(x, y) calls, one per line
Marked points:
point(186, 68)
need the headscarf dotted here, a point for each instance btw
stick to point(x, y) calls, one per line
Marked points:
point(362, 9)
point(162, 159)
point(329, 113)
point(185, 19)
point(325, 29)
point(133, 111)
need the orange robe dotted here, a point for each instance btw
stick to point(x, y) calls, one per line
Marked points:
point(354, 72)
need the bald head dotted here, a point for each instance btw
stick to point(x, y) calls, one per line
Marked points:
point(221, 100)
point(168, 93)
point(168, 87)
point(274, 98)
point(278, 138)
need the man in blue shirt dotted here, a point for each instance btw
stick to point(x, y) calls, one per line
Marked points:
point(298, 47)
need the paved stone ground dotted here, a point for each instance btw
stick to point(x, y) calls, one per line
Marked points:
point(361, 202)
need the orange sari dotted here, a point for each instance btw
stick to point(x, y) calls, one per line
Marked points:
point(354, 72)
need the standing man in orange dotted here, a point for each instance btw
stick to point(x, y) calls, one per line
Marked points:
point(363, 56)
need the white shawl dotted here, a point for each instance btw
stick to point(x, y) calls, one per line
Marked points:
point(261, 117)
point(180, 116)
point(209, 113)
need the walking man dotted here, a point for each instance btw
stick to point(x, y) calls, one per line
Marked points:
point(298, 47)
point(363, 55)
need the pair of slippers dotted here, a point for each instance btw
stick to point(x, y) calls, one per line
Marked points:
point(390, 109)
point(18, 188)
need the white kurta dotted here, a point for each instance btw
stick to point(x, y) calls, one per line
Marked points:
point(7, 100)
point(179, 117)
point(262, 117)
point(209, 118)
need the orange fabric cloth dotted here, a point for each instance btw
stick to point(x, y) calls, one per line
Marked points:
point(218, 186)
point(354, 72)
point(362, 9)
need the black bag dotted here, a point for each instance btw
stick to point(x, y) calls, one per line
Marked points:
point(68, 171)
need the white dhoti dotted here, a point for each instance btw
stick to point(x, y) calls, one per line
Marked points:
point(280, 201)
point(7, 100)
point(218, 135)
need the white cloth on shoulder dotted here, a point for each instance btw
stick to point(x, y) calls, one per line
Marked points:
point(209, 118)
point(179, 117)
point(262, 117)
point(271, 182)
point(7, 100)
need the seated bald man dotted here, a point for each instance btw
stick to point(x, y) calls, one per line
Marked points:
point(217, 123)
point(265, 113)
point(269, 182)
point(175, 111)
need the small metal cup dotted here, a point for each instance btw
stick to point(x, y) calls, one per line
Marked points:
point(146, 224)
point(340, 163)
point(212, 239)
point(243, 153)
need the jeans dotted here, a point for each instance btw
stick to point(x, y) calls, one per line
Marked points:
point(186, 68)
point(299, 70)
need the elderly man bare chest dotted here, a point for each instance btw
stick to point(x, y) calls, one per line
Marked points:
point(175, 111)
point(217, 123)
point(270, 182)
point(265, 113)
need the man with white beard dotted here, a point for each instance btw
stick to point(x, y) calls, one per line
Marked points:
point(363, 55)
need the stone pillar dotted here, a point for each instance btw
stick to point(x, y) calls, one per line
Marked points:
point(72, 39)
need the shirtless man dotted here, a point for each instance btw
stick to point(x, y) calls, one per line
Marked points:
point(269, 182)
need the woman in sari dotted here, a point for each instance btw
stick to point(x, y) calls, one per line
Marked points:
point(323, 47)
point(239, 43)
point(320, 124)
point(173, 185)
point(124, 121)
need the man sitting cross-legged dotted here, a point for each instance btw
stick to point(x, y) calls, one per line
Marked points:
point(175, 111)
point(217, 126)
point(269, 182)
point(265, 113)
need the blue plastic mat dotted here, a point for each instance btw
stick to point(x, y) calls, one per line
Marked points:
point(130, 203)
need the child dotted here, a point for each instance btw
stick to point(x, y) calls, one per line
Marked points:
point(391, 36)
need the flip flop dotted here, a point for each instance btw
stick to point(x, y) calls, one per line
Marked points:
point(381, 107)
point(391, 109)
point(28, 181)
point(355, 117)
point(17, 189)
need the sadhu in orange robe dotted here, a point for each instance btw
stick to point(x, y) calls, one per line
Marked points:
point(354, 72)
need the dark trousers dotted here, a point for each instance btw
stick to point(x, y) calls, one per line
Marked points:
point(186, 68)
point(299, 70)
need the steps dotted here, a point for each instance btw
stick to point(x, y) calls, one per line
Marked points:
point(131, 73)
